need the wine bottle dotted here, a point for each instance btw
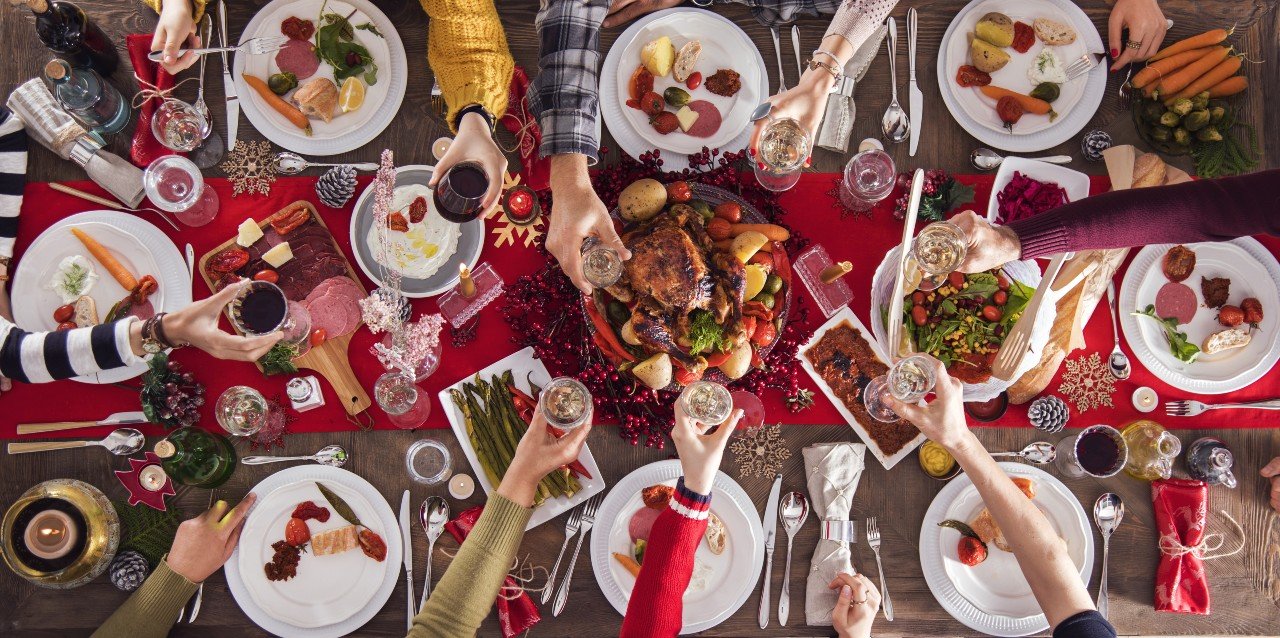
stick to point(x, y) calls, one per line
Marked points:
point(65, 29)
point(196, 457)
point(86, 96)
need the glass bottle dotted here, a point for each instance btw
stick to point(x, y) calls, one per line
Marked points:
point(87, 97)
point(1210, 460)
point(196, 457)
point(1152, 450)
point(67, 31)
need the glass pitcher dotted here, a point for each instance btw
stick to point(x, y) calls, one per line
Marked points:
point(1210, 460)
point(1152, 450)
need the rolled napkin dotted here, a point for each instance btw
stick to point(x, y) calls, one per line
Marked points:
point(832, 471)
point(1180, 512)
point(145, 148)
point(516, 612)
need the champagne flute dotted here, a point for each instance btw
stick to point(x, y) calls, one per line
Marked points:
point(937, 251)
point(785, 147)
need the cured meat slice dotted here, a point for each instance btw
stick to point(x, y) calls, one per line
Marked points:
point(642, 523)
point(708, 121)
point(299, 58)
point(335, 541)
point(328, 313)
point(1176, 300)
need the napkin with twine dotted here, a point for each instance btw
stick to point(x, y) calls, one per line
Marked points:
point(1181, 513)
point(832, 471)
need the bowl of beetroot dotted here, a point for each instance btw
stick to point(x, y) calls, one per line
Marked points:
point(1025, 187)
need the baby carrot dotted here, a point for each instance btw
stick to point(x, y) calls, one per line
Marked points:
point(1179, 80)
point(1030, 104)
point(629, 563)
point(276, 102)
point(1217, 74)
point(1208, 38)
point(773, 231)
point(108, 261)
point(1156, 70)
point(1229, 86)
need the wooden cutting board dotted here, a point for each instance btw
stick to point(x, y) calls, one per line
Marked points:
point(330, 360)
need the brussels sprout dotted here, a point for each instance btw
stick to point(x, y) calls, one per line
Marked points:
point(1181, 136)
point(704, 209)
point(1216, 114)
point(1196, 120)
point(1047, 91)
point(773, 284)
point(676, 96)
point(1181, 106)
point(767, 299)
point(1200, 100)
point(1170, 119)
point(1160, 133)
point(1151, 111)
point(281, 83)
point(1209, 134)
point(1216, 102)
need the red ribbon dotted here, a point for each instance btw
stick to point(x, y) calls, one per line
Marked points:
point(1181, 509)
point(514, 616)
point(145, 148)
point(524, 126)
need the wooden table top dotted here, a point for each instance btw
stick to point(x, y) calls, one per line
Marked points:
point(1245, 587)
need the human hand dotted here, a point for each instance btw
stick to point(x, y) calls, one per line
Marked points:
point(1146, 24)
point(987, 246)
point(805, 103)
point(539, 452)
point(856, 607)
point(943, 419)
point(205, 542)
point(623, 11)
point(1272, 471)
point(700, 453)
point(175, 28)
point(474, 143)
point(576, 214)
point(197, 325)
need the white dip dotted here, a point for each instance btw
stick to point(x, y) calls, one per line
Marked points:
point(1047, 67)
point(73, 279)
point(424, 248)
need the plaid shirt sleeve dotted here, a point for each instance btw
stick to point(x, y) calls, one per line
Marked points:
point(566, 94)
point(776, 13)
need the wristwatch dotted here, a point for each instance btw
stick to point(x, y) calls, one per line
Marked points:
point(154, 340)
point(4, 269)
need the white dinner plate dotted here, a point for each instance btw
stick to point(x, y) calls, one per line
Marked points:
point(1074, 182)
point(347, 131)
point(331, 595)
point(976, 113)
point(994, 597)
point(724, 46)
point(467, 252)
point(139, 246)
point(1253, 272)
point(524, 367)
point(730, 578)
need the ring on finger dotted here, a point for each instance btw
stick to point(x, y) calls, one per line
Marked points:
point(1134, 44)
point(859, 602)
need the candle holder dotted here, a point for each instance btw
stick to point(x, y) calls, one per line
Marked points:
point(97, 534)
point(459, 308)
point(147, 482)
point(829, 297)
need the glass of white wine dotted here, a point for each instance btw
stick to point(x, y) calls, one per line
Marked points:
point(785, 146)
point(909, 379)
point(566, 403)
point(242, 411)
point(938, 250)
point(601, 264)
point(707, 402)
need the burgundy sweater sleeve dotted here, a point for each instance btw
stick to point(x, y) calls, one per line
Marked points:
point(1203, 210)
point(656, 607)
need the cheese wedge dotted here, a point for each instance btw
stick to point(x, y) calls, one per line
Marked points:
point(278, 256)
point(248, 233)
point(686, 116)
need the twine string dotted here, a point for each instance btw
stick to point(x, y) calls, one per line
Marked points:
point(1204, 550)
point(522, 570)
point(148, 91)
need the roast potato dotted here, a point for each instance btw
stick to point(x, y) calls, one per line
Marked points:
point(739, 362)
point(995, 28)
point(987, 57)
point(642, 200)
point(655, 371)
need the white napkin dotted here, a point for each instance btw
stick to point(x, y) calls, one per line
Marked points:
point(832, 471)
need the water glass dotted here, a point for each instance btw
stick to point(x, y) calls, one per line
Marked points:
point(407, 406)
point(242, 411)
point(174, 184)
point(909, 379)
point(868, 179)
point(1099, 451)
point(565, 403)
point(785, 147)
point(428, 461)
point(178, 125)
point(707, 402)
point(601, 264)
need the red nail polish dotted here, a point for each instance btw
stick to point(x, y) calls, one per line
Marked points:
point(751, 151)
point(1115, 53)
point(760, 165)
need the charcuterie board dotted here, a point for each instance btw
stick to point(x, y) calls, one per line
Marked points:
point(317, 276)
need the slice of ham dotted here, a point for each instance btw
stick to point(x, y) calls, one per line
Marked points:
point(1176, 300)
point(708, 121)
point(642, 523)
point(299, 58)
point(143, 311)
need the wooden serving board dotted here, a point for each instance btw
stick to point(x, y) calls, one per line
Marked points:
point(330, 359)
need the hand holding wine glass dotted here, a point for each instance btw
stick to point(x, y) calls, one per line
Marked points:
point(197, 325)
point(700, 453)
point(475, 146)
point(986, 246)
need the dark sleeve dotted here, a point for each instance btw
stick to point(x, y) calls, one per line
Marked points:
point(1086, 624)
point(1203, 210)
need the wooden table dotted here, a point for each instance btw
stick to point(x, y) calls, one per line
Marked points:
point(1246, 587)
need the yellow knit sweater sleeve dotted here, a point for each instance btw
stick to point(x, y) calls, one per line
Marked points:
point(467, 49)
point(197, 9)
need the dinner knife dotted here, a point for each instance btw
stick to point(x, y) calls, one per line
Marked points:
point(228, 84)
point(408, 556)
point(119, 418)
point(915, 99)
point(795, 48)
point(895, 299)
point(770, 533)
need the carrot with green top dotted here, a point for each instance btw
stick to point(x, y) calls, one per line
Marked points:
point(1206, 39)
point(1154, 71)
point(289, 111)
point(1175, 82)
point(1212, 78)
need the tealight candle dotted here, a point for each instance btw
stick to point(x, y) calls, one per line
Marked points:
point(520, 206)
point(51, 534)
point(466, 286)
point(1145, 399)
point(152, 478)
point(440, 147)
point(461, 486)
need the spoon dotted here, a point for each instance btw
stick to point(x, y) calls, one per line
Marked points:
point(122, 442)
point(985, 159)
point(794, 510)
point(331, 455)
point(433, 514)
point(1107, 514)
point(1118, 362)
point(761, 111)
point(1039, 453)
point(287, 163)
point(895, 124)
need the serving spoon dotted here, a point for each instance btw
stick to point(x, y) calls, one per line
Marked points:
point(331, 455)
point(1039, 453)
point(122, 442)
point(985, 159)
point(287, 163)
point(792, 513)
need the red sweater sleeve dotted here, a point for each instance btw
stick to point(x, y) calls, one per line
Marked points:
point(1202, 210)
point(656, 607)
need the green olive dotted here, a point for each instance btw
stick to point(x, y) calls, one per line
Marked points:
point(676, 96)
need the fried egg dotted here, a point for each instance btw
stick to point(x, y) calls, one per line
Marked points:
point(419, 252)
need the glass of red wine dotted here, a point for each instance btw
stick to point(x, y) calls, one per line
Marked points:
point(1098, 451)
point(459, 194)
point(261, 309)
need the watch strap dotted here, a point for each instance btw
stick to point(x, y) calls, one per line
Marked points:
point(478, 110)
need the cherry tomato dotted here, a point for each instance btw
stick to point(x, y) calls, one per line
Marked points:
point(718, 228)
point(992, 313)
point(679, 192)
point(64, 313)
point(1010, 111)
point(693, 81)
point(919, 315)
point(1001, 281)
point(296, 532)
point(764, 334)
point(729, 211)
point(67, 325)
point(917, 297)
point(652, 104)
point(1001, 297)
point(971, 551)
point(318, 337)
point(1230, 316)
point(267, 275)
point(1252, 310)
point(956, 279)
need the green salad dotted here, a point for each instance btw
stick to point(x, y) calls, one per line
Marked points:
point(966, 319)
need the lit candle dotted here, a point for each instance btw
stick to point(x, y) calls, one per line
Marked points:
point(835, 271)
point(466, 287)
point(51, 534)
point(520, 206)
point(1145, 399)
point(461, 486)
point(152, 478)
point(440, 147)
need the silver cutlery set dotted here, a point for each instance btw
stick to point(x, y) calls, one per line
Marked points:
point(432, 515)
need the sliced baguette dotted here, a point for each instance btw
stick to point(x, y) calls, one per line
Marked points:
point(686, 59)
point(1053, 33)
point(1226, 340)
point(86, 312)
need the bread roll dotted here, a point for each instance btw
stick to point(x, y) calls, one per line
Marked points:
point(1053, 33)
point(1226, 340)
point(1148, 170)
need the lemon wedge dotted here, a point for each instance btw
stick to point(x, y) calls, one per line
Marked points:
point(351, 96)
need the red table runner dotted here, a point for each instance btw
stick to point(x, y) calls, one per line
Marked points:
point(812, 212)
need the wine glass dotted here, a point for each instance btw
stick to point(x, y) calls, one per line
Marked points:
point(566, 403)
point(868, 178)
point(707, 402)
point(937, 251)
point(785, 146)
point(174, 184)
point(407, 406)
point(460, 192)
point(178, 125)
point(1099, 451)
point(261, 308)
point(909, 379)
point(601, 264)
point(242, 411)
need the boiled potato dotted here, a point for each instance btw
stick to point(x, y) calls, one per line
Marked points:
point(629, 335)
point(756, 278)
point(987, 57)
point(739, 362)
point(658, 55)
point(655, 371)
point(746, 245)
point(995, 28)
point(642, 199)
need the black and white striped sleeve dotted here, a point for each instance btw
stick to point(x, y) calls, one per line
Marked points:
point(13, 176)
point(40, 357)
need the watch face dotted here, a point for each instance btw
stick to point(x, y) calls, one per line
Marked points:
point(150, 346)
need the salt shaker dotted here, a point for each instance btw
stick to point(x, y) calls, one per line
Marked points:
point(304, 393)
point(837, 121)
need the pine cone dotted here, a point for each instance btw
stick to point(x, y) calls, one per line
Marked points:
point(1049, 414)
point(128, 570)
point(1094, 143)
point(336, 186)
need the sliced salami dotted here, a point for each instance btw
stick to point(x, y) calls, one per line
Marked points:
point(708, 121)
point(328, 314)
point(299, 58)
point(1176, 300)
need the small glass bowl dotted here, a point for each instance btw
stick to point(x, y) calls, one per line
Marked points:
point(429, 462)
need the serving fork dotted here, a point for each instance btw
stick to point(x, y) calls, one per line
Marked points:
point(588, 519)
point(1196, 408)
point(252, 46)
point(570, 529)
point(873, 539)
point(1083, 65)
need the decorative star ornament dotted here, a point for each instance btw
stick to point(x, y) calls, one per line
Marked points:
point(145, 486)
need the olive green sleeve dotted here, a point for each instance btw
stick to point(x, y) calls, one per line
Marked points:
point(151, 611)
point(468, 588)
point(197, 9)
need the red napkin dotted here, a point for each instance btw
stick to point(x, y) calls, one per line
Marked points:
point(1180, 510)
point(524, 126)
point(515, 616)
point(145, 147)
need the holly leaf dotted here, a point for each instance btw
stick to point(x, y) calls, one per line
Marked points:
point(956, 194)
point(340, 506)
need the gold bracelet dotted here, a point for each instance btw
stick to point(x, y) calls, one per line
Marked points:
point(835, 73)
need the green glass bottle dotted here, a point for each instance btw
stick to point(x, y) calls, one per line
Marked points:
point(196, 457)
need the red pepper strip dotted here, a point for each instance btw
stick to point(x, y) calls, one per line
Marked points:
point(757, 309)
point(517, 393)
point(603, 343)
point(605, 331)
point(782, 264)
point(575, 465)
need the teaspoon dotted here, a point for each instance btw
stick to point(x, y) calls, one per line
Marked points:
point(1108, 511)
point(1039, 453)
point(1118, 362)
point(433, 514)
point(122, 442)
point(287, 163)
point(895, 125)
point(792, 513)
point(985, 159)
point(331, 455)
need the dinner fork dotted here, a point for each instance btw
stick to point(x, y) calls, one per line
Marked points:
point(873, 539)
point(588, 519)
point(1083, 65)
point(570, 529)
point(252, 46)
point(1196, 408)
point(437, 101)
